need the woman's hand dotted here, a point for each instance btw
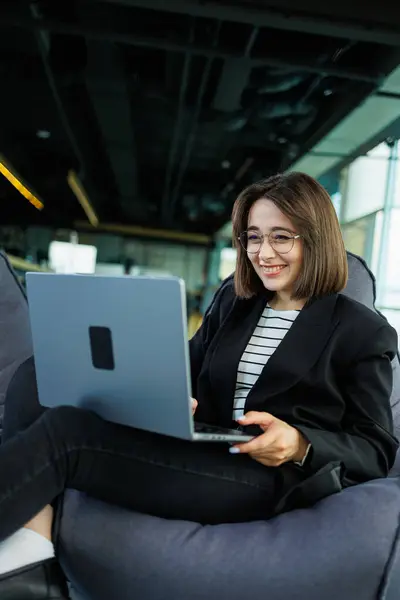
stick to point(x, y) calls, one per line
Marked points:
point(194, 405)
point(280, 442)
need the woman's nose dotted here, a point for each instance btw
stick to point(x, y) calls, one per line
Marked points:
point(266, 250)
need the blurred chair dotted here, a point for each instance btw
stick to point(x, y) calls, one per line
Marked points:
point(15, 335)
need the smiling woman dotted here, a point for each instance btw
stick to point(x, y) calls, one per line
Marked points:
point(289, 241)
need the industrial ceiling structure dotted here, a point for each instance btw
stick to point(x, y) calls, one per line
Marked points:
point(166, 109)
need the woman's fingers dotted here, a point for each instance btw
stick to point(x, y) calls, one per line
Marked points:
point(253, 417)
point(194, 405)
point(259, 444)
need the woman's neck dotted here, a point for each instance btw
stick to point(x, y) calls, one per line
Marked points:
point(286, 302)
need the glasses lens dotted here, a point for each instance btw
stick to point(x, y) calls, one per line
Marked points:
point(251, 241)
point(282, 241)
point(243, 239)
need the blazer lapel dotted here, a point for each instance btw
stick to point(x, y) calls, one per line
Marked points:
point(298, 351)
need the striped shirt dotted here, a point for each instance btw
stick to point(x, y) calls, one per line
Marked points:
point(271, 328)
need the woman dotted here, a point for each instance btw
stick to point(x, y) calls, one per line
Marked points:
point(280, 353)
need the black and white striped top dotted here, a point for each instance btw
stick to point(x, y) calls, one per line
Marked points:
point(271, 328)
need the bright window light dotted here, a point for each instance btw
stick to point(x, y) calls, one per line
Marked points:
point(228, 262)
point(72, 258)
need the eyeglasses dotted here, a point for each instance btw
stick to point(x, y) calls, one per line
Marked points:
point(282, 241)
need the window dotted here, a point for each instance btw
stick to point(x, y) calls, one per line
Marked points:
point(393, 316)
point(72, 258)
point(228, 262)
point(389, 268)
point(366, 184)
point(371, 219)
point(337, 202)
point(396, 198)
point(359, 237)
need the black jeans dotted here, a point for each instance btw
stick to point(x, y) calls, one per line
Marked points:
point(48, 451)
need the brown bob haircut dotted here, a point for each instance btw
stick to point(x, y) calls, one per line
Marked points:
point(309, 207)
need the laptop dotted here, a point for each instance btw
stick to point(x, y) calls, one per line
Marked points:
point(117, 346)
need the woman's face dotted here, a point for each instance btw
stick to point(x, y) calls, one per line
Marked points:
point(278, 272)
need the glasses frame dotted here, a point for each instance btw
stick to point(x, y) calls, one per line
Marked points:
point(293, 237)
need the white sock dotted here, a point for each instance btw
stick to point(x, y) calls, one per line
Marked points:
point(23, 548)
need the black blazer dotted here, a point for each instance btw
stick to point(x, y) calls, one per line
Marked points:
point(331, 378)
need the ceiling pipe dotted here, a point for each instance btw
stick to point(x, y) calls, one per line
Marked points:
point(101, 33)
point(42, 42)
point(278, 18)
point(191, 138)
point(177, 129)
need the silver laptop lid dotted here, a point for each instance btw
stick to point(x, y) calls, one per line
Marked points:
point(116, 345)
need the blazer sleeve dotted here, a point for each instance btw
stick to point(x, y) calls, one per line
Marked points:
point(214, 316)
point(366, 445)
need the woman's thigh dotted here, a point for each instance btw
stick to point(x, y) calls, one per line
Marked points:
point(169, 477)
point(147, 472)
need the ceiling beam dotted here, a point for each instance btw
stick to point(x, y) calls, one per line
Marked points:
point(138, 231)
point(274, 19)
point(233, 81)
point(95, 32)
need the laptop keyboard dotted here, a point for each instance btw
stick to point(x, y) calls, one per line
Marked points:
point(212, 429)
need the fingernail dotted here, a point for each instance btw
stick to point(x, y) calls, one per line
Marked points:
point(233, 450)
point(241, 419)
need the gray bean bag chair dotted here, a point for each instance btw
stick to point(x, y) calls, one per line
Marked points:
point(15, 338)
point(347, 546)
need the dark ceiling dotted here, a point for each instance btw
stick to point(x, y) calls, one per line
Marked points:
point(167, 109)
